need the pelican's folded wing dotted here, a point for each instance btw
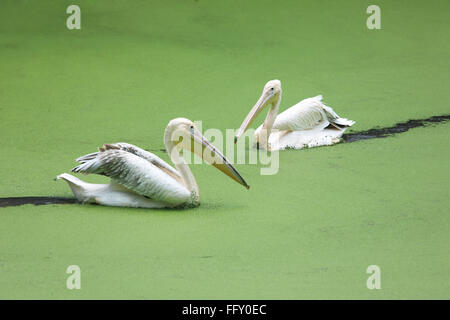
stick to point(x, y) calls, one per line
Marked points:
point(135, 173)
point(154, 159)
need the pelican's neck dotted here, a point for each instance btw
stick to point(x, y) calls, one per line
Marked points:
point(186, 173)
point(268, 122)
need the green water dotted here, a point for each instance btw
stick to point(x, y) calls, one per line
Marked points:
point(309, 231)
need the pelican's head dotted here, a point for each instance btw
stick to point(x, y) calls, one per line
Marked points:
point(183, 134)
point(270, 95)
point(273, 88)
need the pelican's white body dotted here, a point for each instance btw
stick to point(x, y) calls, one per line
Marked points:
point(280, 140)
point(111, 194)
point(142, 175)
point(141, 179)
point(309, 123)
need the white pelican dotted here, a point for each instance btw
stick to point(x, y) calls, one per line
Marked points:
point(141, 179)
point(309, 123)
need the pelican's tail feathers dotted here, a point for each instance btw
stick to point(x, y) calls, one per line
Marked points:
point(334, 118)
point(70, 179)
point(78, 186)
point(330, 113)
point(344, 122)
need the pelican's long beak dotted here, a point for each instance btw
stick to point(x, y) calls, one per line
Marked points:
point(203, 148)
point(254, 112)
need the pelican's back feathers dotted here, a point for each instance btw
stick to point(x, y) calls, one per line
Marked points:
point(310, 113)
point(305, 115)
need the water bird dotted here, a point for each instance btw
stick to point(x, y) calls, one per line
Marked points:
point(141, 179)
point(309, 123)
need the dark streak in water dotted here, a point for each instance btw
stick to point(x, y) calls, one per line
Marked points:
point(37, 201)
point(349, 137)
point(388, 131)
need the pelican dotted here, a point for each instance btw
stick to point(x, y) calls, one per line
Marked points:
point(141, 179)
point(309, 123)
